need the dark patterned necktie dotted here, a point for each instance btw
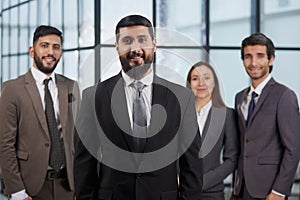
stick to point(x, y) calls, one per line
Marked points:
point(56, 155)
point(251, 107)
point(139, 118)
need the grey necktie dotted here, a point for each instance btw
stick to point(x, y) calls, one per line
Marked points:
point(56, 154)
point(251, 107)
point(139, 118)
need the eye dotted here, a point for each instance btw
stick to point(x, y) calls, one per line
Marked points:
point(206, 77)
point(127, 40)
point(44, 45)
point(57, 47)
point(142, 40)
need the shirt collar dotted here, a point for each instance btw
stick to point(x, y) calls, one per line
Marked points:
point(40, 76)
point(260, 87)
point(146, 80)
point(207, 107)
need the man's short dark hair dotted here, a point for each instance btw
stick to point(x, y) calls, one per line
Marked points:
point(44, 30)
point(259, 39)
point(134, 20)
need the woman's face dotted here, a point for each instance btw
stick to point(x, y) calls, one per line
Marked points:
point(202, 82)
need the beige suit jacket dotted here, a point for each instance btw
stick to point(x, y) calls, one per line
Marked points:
point(24, 138)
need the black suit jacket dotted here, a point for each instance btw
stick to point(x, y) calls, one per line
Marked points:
point(220, 139)
point(270, 144)
point(105, 134)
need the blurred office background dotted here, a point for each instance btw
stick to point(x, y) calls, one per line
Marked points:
point(187, 31)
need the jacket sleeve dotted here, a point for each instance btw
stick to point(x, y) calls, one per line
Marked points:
point(85, 164)
point(288, 122)
point(10, 172)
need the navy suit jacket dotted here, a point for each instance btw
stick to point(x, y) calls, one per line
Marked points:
point(118, 175)
point(270, 145)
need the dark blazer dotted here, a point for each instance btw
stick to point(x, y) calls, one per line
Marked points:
point(270, 143)
point(24, 136)
point(118, 176)
point(220, 140)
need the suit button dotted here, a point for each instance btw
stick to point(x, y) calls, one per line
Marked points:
point(247, 140)
point(47, 145)
point(246, 156)
point(138, 176)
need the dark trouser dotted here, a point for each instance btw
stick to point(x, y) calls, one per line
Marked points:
point(213, 196)
point(55, 189)
point(244, 194)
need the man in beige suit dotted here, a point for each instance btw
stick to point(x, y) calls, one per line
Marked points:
point(36, 156)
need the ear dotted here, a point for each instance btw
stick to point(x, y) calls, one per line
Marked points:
point(31, 51)
point(117, 46)
point(271, 61)
point(154, 45)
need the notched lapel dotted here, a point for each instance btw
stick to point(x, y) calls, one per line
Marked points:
point(63, 101)
point(262, 98)
point(120, 111)
point(33, 92)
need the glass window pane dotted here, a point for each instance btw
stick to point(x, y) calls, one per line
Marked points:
point(71, 64)
point(5, 4)
point(123, 8)
point(43, 16)
point(24, 29)
point(86, 23)
point(24, 66)
point(14, 65)
point(32, 18)
point(174, 64)
point(229, 22)
point(86, 69)
point(110, 63)
point(174, 15)
point(70, 24)
point(287, 71)
point(278, 16)
point(6, 36)
point(56, 13)
point(228, 65)
point(5, 69)
point(14, 39)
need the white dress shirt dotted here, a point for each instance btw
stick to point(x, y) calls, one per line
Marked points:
point(130, 93)
point(202, 116)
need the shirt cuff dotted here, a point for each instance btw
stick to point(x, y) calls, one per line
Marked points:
point(275, 192)
point(19, 195)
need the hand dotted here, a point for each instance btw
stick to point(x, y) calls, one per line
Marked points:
point(28, 198)
point(273, 196)
point(233, 197)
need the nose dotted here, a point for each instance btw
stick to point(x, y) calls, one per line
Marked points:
point(201, 81)
point(135, 46)
point(50, 50)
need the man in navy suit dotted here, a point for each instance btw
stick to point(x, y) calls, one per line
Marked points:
point(113, 163)
point(269, 125)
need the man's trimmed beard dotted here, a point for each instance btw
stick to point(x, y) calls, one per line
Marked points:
point(136, 72)
point(41, 67)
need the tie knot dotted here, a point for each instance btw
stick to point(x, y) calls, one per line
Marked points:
point(254, 94)
point(46, 81)
point(139, 86)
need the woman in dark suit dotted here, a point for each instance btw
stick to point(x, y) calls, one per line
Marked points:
point(217, 126)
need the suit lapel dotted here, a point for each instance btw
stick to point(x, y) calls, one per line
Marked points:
point(63, 100)
point(120, 110)
point(34, 94)
point(263, 97)
point(215, 127)
point(239, 109)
